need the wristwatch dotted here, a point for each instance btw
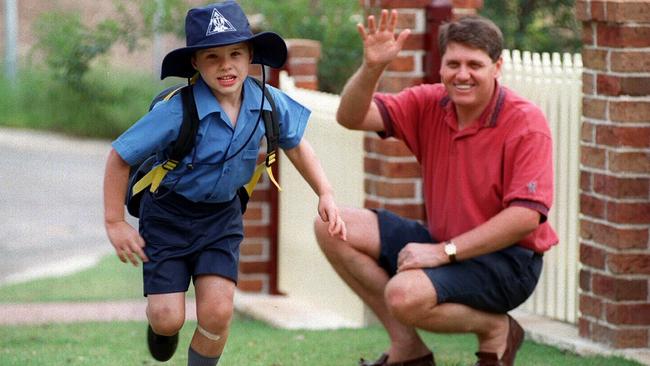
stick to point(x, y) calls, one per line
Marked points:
point(450, 250)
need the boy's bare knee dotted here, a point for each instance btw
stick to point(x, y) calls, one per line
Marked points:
point(165, 320)
point(215, 318)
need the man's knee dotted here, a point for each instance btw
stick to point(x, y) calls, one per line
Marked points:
point(320, 230)
point(409, 295)
point(362, 229)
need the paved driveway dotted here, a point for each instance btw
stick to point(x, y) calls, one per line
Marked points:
point(50, 203)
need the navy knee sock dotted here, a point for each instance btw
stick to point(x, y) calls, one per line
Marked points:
point(195, 359)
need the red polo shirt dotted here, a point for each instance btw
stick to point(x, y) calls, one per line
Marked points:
point(504, 159)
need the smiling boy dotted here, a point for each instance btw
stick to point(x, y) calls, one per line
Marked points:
point(486, 160)
point(191, 227)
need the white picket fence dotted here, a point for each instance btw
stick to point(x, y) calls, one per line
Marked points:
point(552, 81)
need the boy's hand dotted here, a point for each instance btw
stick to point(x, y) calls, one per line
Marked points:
point(380, 46)
point(127, 242)
point(329, 212)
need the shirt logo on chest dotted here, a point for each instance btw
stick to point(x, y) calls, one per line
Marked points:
point(219, 24)
point(532, 187)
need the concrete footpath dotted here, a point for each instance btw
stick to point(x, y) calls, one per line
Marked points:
point(50, 204)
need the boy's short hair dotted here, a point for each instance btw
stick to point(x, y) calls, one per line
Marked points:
point(473, 31)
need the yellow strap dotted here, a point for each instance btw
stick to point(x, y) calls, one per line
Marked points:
point(259, 169)
point(250, 186)
point(154, 177)
point(172, 93)
point(270, 173)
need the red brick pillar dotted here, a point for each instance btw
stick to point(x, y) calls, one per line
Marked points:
point(466, 7)
point(393, 177)
point(259, 251)
point(615, 173)
point(302, 64)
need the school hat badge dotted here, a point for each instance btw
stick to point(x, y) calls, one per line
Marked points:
point(222, 24)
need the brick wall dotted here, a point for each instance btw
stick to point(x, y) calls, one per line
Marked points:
point(259, 256)
point(615, 173)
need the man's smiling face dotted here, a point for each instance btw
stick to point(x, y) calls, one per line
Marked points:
point(469, 75)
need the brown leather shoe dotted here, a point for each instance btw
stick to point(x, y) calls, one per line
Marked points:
point(487, 359)
point(426, 360)
point(514, 340)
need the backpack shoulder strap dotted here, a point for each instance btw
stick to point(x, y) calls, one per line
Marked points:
point(183, 145)
point(166, 94)
point(271, 124)
point(272, 127)
point(189, 127)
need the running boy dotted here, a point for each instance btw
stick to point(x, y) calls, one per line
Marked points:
point(191, 227)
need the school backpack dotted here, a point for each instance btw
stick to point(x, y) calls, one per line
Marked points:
point(147, 175)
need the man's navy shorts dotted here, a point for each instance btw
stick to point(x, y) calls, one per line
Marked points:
point(184, 239)
point(497, 282)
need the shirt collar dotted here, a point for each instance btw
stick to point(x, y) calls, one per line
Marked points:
point(206, 103)
point(253, 96)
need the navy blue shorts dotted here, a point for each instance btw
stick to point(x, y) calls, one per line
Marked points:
point(185, 239)
point(497, 282)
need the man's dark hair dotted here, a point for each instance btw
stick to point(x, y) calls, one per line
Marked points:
point(473, 31)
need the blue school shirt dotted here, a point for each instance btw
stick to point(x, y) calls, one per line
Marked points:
point(212, 179)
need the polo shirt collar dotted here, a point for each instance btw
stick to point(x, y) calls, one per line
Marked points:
point(205, 100)
point(253, 96)
point(489, 116)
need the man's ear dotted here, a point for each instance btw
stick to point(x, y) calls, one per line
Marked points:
point(498, 64)
point(193, 61)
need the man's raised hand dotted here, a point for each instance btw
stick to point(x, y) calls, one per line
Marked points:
point(379, 43)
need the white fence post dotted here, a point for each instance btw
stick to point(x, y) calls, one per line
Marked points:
point(11, 39)
point(554, 83)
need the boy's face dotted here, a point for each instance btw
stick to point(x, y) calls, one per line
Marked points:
point(468, 75)
point(224, 69)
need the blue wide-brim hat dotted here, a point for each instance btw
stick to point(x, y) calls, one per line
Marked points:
point(219, 25)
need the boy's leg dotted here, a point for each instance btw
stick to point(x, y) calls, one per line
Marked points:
point(166, 314)
point(355, 260)
point(214, 310)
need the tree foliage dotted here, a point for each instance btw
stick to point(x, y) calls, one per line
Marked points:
point(331, 22)
point(69, 46)
point(536, 25)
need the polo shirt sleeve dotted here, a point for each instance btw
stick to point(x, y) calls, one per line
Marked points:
point(293, 118)
point(403, 112)
point(152, 133)
point(528, 167)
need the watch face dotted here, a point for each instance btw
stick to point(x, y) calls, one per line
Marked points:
point(450, 249)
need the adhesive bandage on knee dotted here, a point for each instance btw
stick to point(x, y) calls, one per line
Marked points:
point(208, 335)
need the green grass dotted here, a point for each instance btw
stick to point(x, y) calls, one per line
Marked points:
point(106, 104)
point(251, 343)
point(109, 280)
